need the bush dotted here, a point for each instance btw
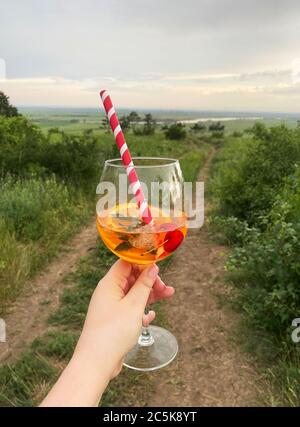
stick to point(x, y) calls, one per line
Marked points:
point(269, 263)
point(176, 131)
point(216, 127)
point(249, 179)
point(20, 146)
point(198, 127)
point(257, 186)
point(25, 150)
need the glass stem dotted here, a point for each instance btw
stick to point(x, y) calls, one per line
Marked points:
point(145, 339)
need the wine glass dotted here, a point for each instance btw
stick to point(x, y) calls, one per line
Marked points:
point(122, 230)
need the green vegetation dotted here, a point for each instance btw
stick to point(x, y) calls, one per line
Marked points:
point(175, 131)
point(256, 188)
point(198, 127)
point(37, 216)
point(47, 184)
point(6, 109)
point(46, 193)
point(191, 162)
point(48, 181)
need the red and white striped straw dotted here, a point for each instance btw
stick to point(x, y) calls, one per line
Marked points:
point(126, 157)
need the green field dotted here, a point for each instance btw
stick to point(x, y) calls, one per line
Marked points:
point(76, 120)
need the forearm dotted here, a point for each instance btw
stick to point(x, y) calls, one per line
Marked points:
point(82, 382)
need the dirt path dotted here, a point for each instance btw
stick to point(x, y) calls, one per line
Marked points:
point(29, 313)
point(209, 370)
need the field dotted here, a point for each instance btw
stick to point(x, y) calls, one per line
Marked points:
point(74, 120)
point(51, 160)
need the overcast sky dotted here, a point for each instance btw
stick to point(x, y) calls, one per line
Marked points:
point(192, 54)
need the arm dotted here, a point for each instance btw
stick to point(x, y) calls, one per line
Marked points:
point(111, 329)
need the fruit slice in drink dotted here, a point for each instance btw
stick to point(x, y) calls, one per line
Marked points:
point(123, 232)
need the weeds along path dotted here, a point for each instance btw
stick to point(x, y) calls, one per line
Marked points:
point(210, 370)
point(28, 315)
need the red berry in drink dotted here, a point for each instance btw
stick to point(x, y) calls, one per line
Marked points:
point(167, 226)
point(172, 240)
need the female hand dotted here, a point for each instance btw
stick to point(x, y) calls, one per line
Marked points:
point(116, 311)
point(112, 327)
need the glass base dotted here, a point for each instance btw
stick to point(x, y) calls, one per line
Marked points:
point(154, 355)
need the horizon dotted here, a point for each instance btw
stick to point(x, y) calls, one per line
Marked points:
point(171, 110)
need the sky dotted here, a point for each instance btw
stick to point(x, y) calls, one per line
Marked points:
point(241, 55)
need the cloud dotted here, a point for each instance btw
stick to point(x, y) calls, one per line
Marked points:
point(161, 91)
point(150, 53)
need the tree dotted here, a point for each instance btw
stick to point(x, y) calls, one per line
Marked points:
point(6, 109)
point(198, 127)
point(176, 131)
point(149, 126)
point(105, 124)
point(134, 117)
point(124, 123)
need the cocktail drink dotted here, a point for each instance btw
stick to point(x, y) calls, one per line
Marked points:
point(124, 232)
point(130, 239)
point(140, 218)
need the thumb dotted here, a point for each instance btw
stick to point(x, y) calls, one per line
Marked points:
point(139, 293)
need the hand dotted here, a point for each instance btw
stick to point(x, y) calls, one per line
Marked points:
point(116, 310)
point(112, 327)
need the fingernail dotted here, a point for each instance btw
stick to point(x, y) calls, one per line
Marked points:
point(153, 271)
point(163, 283)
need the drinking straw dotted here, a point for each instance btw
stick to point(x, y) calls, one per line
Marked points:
point(126, 158)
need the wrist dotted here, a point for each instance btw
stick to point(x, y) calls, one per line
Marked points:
point(98, 354)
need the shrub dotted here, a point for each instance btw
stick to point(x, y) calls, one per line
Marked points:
point(257, 185)
point(250, 178)
point(176, 131)
point(270, 265)
point(216, 127)
point(25, 150)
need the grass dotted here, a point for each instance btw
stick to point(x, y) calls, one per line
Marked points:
point(37, 216)
point(191, 163)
